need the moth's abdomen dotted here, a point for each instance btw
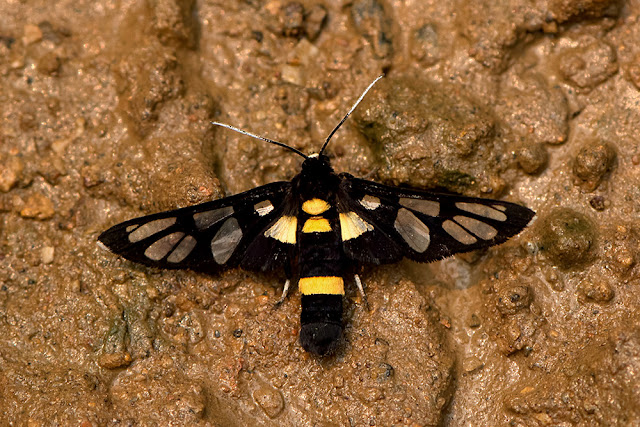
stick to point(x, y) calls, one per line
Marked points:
point(321, 283)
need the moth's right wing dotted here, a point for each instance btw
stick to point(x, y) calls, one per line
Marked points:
point(383, 224)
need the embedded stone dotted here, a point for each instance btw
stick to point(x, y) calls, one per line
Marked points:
point(567, 238)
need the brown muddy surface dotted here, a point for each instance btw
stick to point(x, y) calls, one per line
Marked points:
point(105, 110)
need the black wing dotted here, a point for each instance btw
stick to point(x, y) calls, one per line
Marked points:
point(208, 237)
point(420, 225)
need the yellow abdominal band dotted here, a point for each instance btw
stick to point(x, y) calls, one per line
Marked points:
point(315, 206)
point(321, 285)
point(316, 224)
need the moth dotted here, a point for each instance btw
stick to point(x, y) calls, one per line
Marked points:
point(317, 228)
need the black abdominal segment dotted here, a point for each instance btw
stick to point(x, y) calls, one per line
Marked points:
point(321, 323)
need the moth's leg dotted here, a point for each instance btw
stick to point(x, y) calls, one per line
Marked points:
point(285, 291)
point(361, 290)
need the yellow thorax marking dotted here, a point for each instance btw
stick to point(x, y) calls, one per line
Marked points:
point(315, 206)
point(351, 225)
point(316, 224)
point(284, 230)
point(330, 285)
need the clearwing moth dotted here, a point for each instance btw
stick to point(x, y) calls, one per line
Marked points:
point(317, 228)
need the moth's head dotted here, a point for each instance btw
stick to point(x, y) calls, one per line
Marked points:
point(316, 163)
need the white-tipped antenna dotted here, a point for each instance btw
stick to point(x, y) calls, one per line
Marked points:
point(326, 141)
point(244, 132)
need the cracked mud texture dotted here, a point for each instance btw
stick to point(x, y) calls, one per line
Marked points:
point(104, 115)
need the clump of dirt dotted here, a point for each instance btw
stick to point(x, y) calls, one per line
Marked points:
point(105, 114)
point(432, 135)
point(567, 238)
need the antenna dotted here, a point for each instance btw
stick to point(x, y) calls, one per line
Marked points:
point(244, 132)
point(295, 150)
point(326, 141)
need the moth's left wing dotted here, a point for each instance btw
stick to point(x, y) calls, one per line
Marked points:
point(208, 237)
point(382, 224)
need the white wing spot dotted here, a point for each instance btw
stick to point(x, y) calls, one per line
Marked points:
point(499, 207)
point(226, 240)
point(412, 230)
point(206, 219)
point(352, 226)
point(482, 210)
point(132, 227)
point(160, 248)
point(284, 230)
point(183, 250)
point(427, 207)
point(263, 208)
point(458, 233)
point(370, 202)
point(479, 228)
point(151, 228)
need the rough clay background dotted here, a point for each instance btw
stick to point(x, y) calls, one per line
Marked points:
point(104, 115)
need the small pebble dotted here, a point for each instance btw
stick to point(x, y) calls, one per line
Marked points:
point(46, 254)
point(31, 34)
point(38, 206)
point(593, 162)
point(589, 64)
point(269, 400)
point(10, 173)
point(385, 371)
point(60, 145)
point(544, 418)
point(48, 64)
point(598, 291)
point(74, 286)
point(532, 158)
point(474, 321)
point(555, 281)
point(53, 34)
point(513, 299)
point(597, 203)
point(17, 62)
point(472, 364)
point(445, 321)
point(624, 258)
point(115, 360)
point(512, 332)
point(314, 21)
point(292, 19)
point(292, 74)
